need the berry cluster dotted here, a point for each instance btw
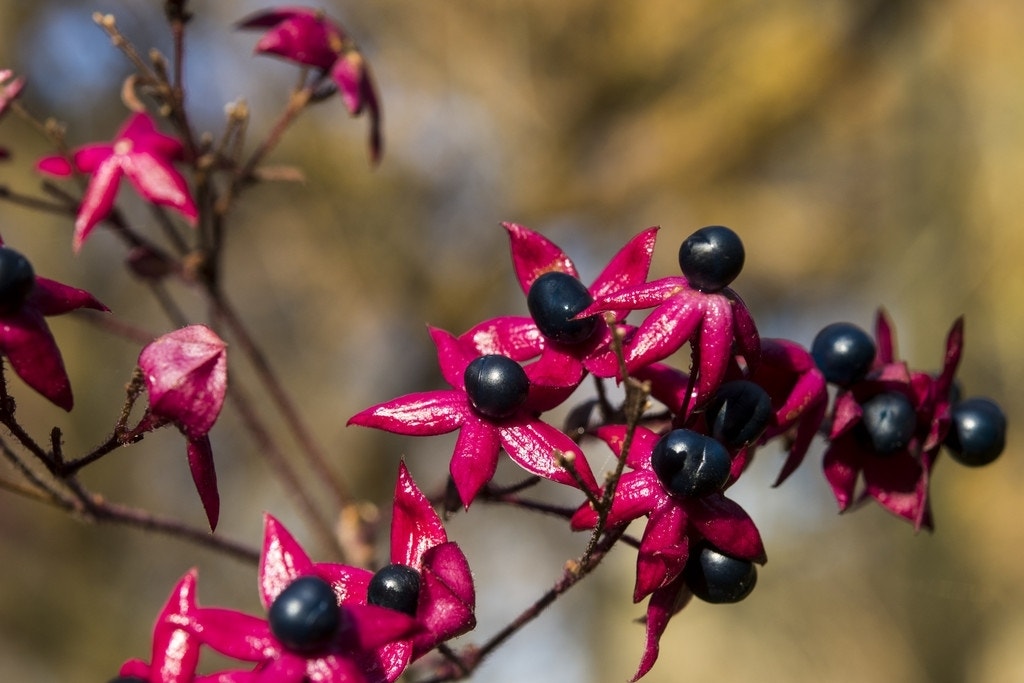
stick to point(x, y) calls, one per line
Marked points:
point(884, 423)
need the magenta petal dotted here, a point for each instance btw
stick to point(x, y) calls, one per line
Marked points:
point(533, 255)
point(453, 356)
point(447, 598)
point(157, 181)
point(175, 651)
point(235, 634)
point(846, 412)
point(55, 165)
point(349, 583)
point(841, 466)
point(513, 336)
point(727, 527)
point(748, 341)
point(27, 342)
point(50, 297)
point(282, 560)
point(88, 158)
point(668, 384)
point(475, 458)
point(642, 296)
point(898, 483)
point(533, 445)
point(635, 496)
point(415, 526)
point(664, 331)
point(98, 201)
point(186, 377)
point(367, 627)
point(715, 346)
point(200, 463)
point(664, 603)
point(884, 340)
point(629, 267)
point(954, 347)
point(424, 414)
point(305, 39)
point(553, 378)
point(348, 73)
point(664, 548)
point(644, 440)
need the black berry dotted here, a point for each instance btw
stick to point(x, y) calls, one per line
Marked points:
point(554, 300)
point(711, 258)
point(305, 616)
point(496, 385)
point(843, 352)
point(888, 421)
point(397, 587)
point(738, 413)
point(978, 432)
point(690, 464)
point(714, 577)
point(16, 280)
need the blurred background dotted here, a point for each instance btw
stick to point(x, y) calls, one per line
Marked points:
point(868, 153)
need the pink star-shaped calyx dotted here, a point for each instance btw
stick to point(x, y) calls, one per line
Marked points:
point(139, 152)
point(532, 444)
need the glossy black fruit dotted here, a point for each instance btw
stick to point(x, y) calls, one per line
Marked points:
point(843, 352)
point(978, 432)
point(714, 577)
point(690, 464)
point(16, 280)
point(888, 421)
point(496, 385)
point(738, 413)
point(554, 300)
point(305, 616)
point(711, 258)
point(397, 587)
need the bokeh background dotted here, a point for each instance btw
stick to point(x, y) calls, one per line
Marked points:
point(869, 153)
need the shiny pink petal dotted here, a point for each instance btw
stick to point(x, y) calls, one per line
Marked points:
point(642, 296)
point(447, 598)
point(423, 414)
point(453, 356)
point(282, 560)
point(644, 440)
point(367, 627)
point(236, 634)
point(415, 526)
point(200, 463)
point(175, 652)
point(186, 377)
point(884, 339)
point(514, 336)
point(664, 548)
point(533, 444)
point(715, 345)
point(533, 255)
point(553, 378)
point(475, 458)
point(636, 495)
point(98, 200)
point(50, 297)
point(157, 181)
point(27, 342)
point(664, 603)
point(842, 464)
point(727, 527)
point(664, 331)
point(668, 384)
point(628, 268)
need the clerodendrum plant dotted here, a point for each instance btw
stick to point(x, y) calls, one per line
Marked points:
point(680, 438)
